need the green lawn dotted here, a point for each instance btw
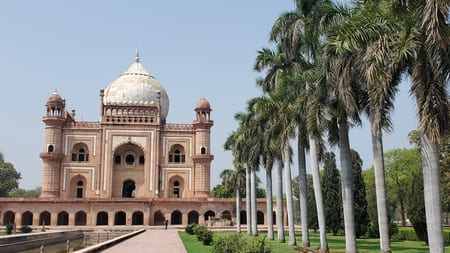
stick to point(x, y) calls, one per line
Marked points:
point(335, 243)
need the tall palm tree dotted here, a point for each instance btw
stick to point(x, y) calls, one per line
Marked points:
point(274, 108)
point(236, 142)
point(430, 70)
point(267, 160)
point(298, 32)
point(369, 31)
point(235, 180)
point(344, 94)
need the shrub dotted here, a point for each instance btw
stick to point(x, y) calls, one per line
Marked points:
point(373, 232)
point(258, 245)
point(236, 243)
point(229, 244)
point(9, 228)
point(203, 234)
point(190, 229)
point(447, 237)
point(25, 229)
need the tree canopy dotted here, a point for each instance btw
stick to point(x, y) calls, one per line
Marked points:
point(9, 177)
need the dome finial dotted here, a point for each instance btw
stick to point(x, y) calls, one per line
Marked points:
point(137, 55)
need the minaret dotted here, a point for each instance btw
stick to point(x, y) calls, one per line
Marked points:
point(202, 153)
point(53, 153)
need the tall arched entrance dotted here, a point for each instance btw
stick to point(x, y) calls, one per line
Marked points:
point(120, 218)
point(192, 217)
point(128, 163)
point(78, 187)
point(102, 218)
point(176, 187)
point(243, 217)
point(260, 218)
point(158, 218)
point(80, 218)
point(27, 218)
point(128, 189)
point(63, 218)
point(209, 215)
point(138, 218)
point(175, 218)
point(44, 218)
point(9, 218)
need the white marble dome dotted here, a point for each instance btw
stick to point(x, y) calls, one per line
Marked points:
point(136, 87)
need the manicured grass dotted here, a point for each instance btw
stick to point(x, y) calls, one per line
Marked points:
point(335, 243)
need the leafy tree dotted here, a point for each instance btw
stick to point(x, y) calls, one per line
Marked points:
point(332, 193)
point(445, 175)
point(219, 191)
point(312, 212)
point(360, 204)
point(23, 193)
point(416, 205)
point(400, 163)
point(9, 177)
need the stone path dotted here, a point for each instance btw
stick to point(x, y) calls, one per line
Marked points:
point(154, 241)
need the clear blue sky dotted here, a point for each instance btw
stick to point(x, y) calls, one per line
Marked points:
point(193, 48)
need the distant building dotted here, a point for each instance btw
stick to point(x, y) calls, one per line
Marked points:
point(130, 168)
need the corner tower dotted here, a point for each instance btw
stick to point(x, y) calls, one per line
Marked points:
point(202, 155)
point(52, 156)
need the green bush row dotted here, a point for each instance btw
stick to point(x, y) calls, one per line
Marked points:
point(408, 234)
point(190, 229)
point(9, 228)
point(23, 229)
point(236, 243)
point(201, 232)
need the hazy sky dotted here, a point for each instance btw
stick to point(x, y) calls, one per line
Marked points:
point(194, 49)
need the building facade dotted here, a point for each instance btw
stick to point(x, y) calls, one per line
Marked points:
point(129, 168)
point(131, 152)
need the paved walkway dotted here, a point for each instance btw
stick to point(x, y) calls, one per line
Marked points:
point(154, 241)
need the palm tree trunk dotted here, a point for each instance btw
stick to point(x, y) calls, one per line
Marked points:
point(432, 192)
point(347, 187)
point(279, 195)
point(253, 198)
point(380, 186)
point(288, 189)
point(238, 210)
point(269, 203)
point(248, 201)
point(318, 193)
point(303, 192)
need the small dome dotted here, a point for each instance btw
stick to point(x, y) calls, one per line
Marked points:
point(203, 104)
point(137, 87)
point(55, 98)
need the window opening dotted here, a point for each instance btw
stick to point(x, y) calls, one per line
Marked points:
point(141, 159)
point(129, 159)
point(203, 151)
point(81, 155)
point(50, 148)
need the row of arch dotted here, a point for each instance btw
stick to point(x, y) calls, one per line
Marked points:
point(120, 218)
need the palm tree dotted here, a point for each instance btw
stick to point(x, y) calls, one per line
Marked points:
point(274, 109)
point(370, 32)
point(267, 160)
point(298, 32)
point(430, 70)
point(253, 133)
point(236, 143)
point(235, 179)
point(421, 36)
